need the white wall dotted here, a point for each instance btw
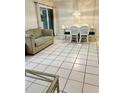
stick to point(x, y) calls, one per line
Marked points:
point(88, 9)
point(30, 13)
point(63, 12)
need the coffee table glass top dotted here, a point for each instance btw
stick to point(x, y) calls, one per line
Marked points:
point(39, 82)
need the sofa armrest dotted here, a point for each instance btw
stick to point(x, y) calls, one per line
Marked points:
point(29, 35)
point(47, 32)
point(30, 43)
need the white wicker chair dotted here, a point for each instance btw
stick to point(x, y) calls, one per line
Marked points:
point(74, 33)
point(84, 32)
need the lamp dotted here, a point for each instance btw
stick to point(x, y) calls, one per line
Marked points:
point(63, 27)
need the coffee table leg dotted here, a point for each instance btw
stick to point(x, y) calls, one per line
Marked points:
point(57, 86)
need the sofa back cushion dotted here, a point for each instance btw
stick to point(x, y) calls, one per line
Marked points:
point(36, 32)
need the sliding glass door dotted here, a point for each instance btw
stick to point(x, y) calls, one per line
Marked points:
point(50, 17)
point(47, 21)
point(43, 16)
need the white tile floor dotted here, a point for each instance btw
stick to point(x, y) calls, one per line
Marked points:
point(76, 64)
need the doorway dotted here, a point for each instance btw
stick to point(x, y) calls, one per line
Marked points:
point(47, 19)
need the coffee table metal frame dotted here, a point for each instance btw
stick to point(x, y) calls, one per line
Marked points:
point(44, 76)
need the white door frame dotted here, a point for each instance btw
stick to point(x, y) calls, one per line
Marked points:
point(39, 18)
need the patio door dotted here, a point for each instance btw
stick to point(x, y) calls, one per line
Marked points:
point(47, 21)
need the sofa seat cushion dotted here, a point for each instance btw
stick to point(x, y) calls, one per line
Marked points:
point(41, 40)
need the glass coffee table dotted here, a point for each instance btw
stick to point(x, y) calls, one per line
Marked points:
point(40, 82)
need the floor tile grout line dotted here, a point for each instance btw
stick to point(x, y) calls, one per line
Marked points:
point(43, 58)
point(61, 63)
point(92, 84)
point(34, 82)
point(92, 66)
point(88, 73)
point(75, 70)
point(29, 86)
point(37, 83)
point(64, 61)
point(36, 66)
point(85, 68)
point(44, 49)
point(35, 63)
point(50, 54)
point(92, 74)
point(71, 70)
point(80, 72)
point(68, 77)
point(80, 82)
point(83, 64)
point(51, 62)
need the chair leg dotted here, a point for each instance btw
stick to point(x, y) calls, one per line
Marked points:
point(87, 39)
point(95, 38)
point(65, 37)
point(80, 39)
point(77, 39)
point(70, 39)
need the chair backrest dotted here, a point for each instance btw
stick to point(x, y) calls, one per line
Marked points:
point(74, 30)
point(84, 30)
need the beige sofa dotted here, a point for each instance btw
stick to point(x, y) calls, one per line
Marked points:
point(38, 39)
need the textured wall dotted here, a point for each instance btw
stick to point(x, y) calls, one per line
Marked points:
point(88, 9)
point(63, 12)
point(30, 13)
